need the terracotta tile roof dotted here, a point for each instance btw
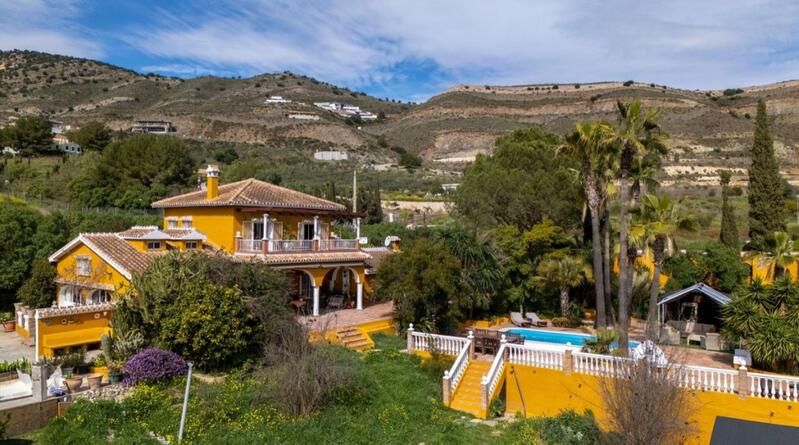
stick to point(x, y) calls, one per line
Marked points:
point(376, 255)
point(191, 234)
point(251, 193)
point(279, 259)
point(118, 252)
point(144, 232)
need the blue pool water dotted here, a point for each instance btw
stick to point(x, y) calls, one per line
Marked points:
point(557, 337)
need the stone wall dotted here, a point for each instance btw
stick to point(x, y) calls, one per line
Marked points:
point(29, 417)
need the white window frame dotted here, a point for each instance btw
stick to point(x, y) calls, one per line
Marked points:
point(191, 245)
point(172, 223)
point(83, 265)
point(69, 296)
point(99, 296)
point(153, 245)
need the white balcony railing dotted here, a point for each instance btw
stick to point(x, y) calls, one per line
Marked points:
point(295, 246)
point(444, 344)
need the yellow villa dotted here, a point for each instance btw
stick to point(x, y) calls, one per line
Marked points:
point(248, 220)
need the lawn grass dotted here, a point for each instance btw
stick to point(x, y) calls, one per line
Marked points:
point(398, 401)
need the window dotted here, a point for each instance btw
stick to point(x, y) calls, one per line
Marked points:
point(172, 223)
point(153, 245)
point(83, 265)
point(307, 231)
point(69, 296)
point(190, 245)
point(257, 229)
point(99, 296)
point(186, 222)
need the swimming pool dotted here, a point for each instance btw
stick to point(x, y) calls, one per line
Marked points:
point(556, 337)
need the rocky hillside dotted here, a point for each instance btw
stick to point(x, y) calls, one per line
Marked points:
point(75, 91)
point(710, 130)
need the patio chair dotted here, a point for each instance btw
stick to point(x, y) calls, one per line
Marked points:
point(535, 320)
point(517, 319)
point(712, 341)
point(335, 302)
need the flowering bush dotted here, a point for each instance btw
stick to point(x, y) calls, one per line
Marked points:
point(153, 364)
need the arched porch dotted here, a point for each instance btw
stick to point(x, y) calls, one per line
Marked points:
point(337, 286)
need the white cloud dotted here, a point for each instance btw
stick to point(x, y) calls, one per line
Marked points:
point(45, 25)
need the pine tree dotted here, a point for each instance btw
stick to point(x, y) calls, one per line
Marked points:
point(729, 229)
point(765, 185)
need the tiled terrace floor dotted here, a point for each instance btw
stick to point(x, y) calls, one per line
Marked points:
point(335, 320)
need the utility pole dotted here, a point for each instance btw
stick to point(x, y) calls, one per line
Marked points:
point(185, 404)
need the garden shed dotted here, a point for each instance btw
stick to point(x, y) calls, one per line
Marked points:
point(698, 304)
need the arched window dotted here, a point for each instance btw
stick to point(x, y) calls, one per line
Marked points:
point(69, 296)
point(99, 296)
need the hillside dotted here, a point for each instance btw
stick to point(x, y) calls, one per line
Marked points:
point(710, 130)
point(75, 91)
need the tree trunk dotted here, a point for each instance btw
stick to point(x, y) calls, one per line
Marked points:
point(599, 287)
point(606, 270)
point(594, 205)
point(654, 290)
point(624, 297)
point(564, 301)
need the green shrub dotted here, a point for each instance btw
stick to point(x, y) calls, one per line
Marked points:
point(566, 322)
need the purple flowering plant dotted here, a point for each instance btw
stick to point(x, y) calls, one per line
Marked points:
point(151, 365)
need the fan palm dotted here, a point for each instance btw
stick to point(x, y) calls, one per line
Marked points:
point(658, 219)
point(564, 273)
point(591, 145)
point(779, 257)
point(638, 134)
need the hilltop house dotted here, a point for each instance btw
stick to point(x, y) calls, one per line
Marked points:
point(153, 127)
point(248, 220)
point(276, 100)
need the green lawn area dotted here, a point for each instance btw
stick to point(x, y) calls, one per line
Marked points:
point(398, 402)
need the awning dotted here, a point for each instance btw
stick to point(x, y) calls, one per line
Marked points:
point(704, 289)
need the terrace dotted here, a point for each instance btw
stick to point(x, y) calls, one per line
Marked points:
point(265, 246)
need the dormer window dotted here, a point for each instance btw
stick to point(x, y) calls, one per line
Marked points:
point(153, 245)
point(186, 222)
point(172, 223)
point(83, 265)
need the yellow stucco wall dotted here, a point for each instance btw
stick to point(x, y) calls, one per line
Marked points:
point(102, 272)
point(72, 330)
point(763, 268)
point(547, 392)
point(219, 224)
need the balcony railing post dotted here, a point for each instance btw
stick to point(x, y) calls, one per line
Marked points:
point(743, 383)
point(471, 345)
point(265, 246)
point(238, 241)
point(447, 390)
point(410, 338)
point(315, 245)
point(568, 362)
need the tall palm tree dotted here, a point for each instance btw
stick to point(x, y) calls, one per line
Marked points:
point(638, 134)
point(565, 273)
point(591, 144)
point(779, 256)
point(658, 219)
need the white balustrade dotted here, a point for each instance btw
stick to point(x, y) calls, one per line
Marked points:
point(707, 379)
point(598, 364)
point(250, 245)
point(768, 386)
point(338, 244)
point(491, 380)
point(530, 356)
point(444, 344)
point(291, 245)
point(459, 366)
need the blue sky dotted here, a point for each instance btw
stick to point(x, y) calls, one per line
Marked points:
point(412, 49)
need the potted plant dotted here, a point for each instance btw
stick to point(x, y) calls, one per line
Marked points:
point(8, 320)
point(114, 372)
point(73, 383)
point(94, 380)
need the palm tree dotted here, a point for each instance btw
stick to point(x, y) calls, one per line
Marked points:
point(590, 144)
point(658, 220)
point(638, 134)
point(779, 257)
point(565, 273)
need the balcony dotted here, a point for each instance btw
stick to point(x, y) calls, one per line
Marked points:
point(248, 246)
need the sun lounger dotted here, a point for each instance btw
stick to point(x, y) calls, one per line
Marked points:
point(535, 320)
point(517, 319)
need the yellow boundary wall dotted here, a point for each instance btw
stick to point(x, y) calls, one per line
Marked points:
point(547, 392)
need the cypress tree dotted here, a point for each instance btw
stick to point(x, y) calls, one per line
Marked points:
point(765, 185)
point(729, 229)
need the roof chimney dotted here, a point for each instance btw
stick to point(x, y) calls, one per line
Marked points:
point(212, 178)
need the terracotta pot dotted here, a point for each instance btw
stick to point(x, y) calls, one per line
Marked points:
point(9, 326)
point(74, 383)
point(94, 381)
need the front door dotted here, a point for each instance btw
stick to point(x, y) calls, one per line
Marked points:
point(307, 231)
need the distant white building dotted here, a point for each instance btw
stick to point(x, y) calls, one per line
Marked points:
point(450, 187)
point(152, 127)
point(367, 116)
point(329, 106)
point(58, 127)
point(331, 155)
point(277, 100)
point(304, 117)
point(69, 148)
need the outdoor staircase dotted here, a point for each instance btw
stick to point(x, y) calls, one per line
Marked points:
point(353, 338)
point(467, 394)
